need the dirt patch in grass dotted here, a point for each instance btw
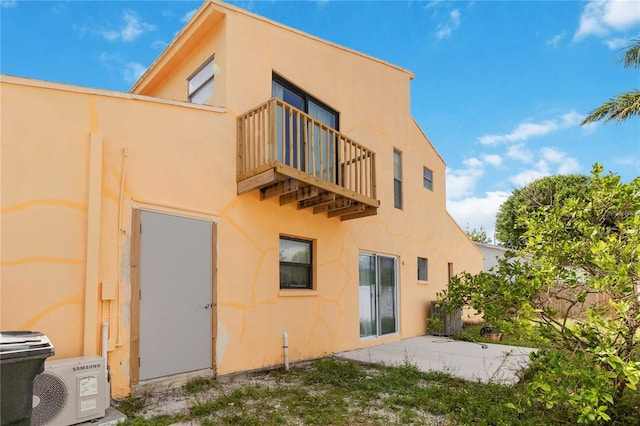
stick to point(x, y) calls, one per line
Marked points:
point(334, 392)
point(319, 393)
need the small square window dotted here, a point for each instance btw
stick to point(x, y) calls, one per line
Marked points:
point(427, 178)
point(423, 269)
point(296, 264)
point(201, 83)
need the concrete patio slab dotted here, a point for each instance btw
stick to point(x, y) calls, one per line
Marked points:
point(486, 363)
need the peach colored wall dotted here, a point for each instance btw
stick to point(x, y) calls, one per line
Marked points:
point(372, 98)
point(181, 158)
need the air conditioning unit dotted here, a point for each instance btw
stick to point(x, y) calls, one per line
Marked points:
point(70, 391)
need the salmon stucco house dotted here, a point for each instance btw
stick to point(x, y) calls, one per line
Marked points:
point(255, 180)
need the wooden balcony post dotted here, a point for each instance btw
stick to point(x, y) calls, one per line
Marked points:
point(373, 175)
point(239, 145)
point(273, 130)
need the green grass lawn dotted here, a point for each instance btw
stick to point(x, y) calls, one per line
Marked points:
point(330, 392)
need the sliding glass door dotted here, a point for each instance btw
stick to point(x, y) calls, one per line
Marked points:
point(378, 295)
point(318, 156)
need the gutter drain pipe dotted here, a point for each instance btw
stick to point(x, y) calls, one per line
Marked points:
point(285, 346)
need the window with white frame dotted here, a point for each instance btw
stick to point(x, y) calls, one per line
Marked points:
point(423, 269)
point(296, 266)
point(201, 83)
point(427, 178)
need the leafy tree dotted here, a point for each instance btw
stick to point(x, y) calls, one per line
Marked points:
point(624, 105)
point(478, 235)
point(523, 202)
point(587, 245)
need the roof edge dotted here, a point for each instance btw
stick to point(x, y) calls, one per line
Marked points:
point(64, 87)
point(428, 140)
point(311, 36)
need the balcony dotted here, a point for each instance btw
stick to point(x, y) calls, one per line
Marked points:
point(286, 153)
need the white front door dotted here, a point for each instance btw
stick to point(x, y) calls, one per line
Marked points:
point(175, 295)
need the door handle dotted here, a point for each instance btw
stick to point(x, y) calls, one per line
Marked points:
point(207, 306)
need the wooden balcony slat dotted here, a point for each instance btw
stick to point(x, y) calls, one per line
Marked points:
point(320, 199)
point(280, 188)
point(301, 194)
point(339, 204)
point(368, 211)
point(356, 208)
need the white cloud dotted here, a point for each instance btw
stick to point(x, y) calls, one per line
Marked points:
point(476, 212)
point(528, 130)
point(110, 58)
point(472, 162)
point(133, 71)
point(446, 29)
point(569, 165)
point(553, 41)
point(8, 3)
point(462, 182)
point(600, 17)
point(434, 3)
point(540, 170)
point(494, 159)
point(522, 132)
point(570, 119)
point(158, 45)
point(629, 160)
point(455, 17)
point(552, 155)
point(551, 162)
point(520, 152)
point(132, 28)
point(617, 43)
point(188, 15)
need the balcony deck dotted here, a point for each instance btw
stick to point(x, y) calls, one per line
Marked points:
point(284, 152)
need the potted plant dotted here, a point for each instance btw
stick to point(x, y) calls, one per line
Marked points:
point(489, 332)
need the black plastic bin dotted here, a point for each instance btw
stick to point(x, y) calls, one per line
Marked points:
point(22, 355)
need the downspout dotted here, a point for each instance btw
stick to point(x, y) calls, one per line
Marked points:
point(285, 347)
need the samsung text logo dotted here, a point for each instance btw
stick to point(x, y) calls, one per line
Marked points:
point(86, 367)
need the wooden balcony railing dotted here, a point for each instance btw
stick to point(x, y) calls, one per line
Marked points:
point(283, 150)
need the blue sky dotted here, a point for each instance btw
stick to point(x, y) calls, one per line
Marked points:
point(500, 87)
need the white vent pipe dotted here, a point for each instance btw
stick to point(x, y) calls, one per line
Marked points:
point(285, 347)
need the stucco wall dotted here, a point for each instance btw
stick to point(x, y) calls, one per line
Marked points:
point(180, 158)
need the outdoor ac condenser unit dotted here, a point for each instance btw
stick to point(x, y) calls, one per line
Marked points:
point(451, 323)
point(70, 391)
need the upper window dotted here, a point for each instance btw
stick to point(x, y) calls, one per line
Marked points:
point(427, 178)
point(397, 179)
point(423, 269)
point(201, 83)
point(295, 264)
